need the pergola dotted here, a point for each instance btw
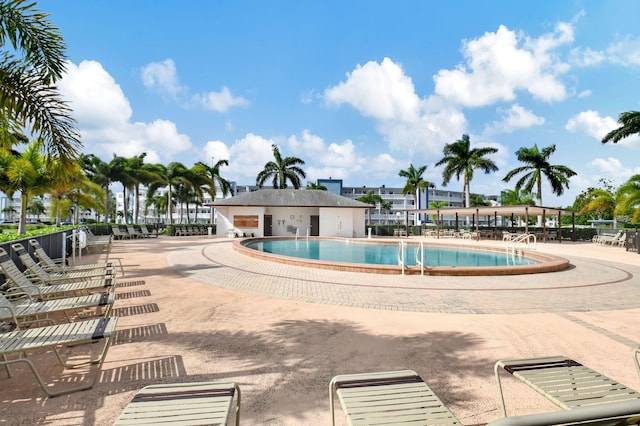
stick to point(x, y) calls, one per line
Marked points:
point(502, 211)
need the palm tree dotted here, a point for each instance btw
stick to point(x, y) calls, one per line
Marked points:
point(629, 198)
point(210, 181)
point(282, 170)
point(172, 176)
point(101, 173)
point(29, 67)
point(460, 159)
point(142, 174)
point(36, 207)
point(629, 125)
point(27, 173)
point(537, 166)
point(517, 198)
point(415, 183)
point(121, 172)
point(72, 188)
point(314, 185)
point(370, 198)
point(437, 205)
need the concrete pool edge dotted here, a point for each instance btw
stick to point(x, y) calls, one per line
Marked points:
point(548, 262)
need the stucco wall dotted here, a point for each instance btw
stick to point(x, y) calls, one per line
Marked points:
point(334, 222)
point(345, 223)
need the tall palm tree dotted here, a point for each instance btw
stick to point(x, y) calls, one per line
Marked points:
point(72, 188)
point(121, 172)
point(538, 166)
point(282, 170)
point(209, 181)
point(31, 61)
point(370, 198)
point(142, 174)
point(27, 173)
point(415, 183)
point(172, 176)
point(101, 173)
point(629, 125)
point(459, 159)
point(628, 195)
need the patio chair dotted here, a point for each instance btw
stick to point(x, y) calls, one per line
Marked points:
point(636, 355)
point(200, 403)
point(145, 232)
point(26, 310)
point(119, 234)
point(133, 232)
point(15, 278)
point(21, 342)
point(38, 272)
point(615, 414)
point(393, 397)
point(565, 382)
point(57, 265)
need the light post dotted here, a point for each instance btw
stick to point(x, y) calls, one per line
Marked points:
point(398, 219)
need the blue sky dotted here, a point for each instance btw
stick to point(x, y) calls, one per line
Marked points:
point(357, 89)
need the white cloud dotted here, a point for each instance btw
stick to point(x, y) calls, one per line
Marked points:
point(162, 76)
point(103, 114)
point(613, 168)
point(514, 118)
point(591, 123)
point(247, 156)
point(96, 99)
point(419, 127)
point(378, 90)
point(501, 63)
point(220, 101)
point(625, 52)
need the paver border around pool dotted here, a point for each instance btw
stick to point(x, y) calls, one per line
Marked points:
point(547, 262)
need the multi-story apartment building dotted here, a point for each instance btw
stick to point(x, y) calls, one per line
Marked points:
point(191, 213)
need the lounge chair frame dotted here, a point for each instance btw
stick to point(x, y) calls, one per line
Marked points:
point(183, 403)
point(26, 310)
point(615, 414)
point(50, 337)
point(565, 382)
point(17, 279)
point(391, 397)
point(46, 277)
point(57, 265)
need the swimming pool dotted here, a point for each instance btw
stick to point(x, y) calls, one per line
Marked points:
point(365, 255)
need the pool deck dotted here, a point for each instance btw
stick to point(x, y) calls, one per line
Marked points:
point(191, 309)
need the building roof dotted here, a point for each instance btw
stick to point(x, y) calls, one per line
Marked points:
point(290, 198)
point(497, 210)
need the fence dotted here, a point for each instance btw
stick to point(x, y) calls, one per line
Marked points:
point(632, 241)
point(51, 243)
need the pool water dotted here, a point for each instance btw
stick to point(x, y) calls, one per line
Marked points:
point(383, 254)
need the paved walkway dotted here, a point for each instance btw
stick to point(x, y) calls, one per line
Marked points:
point(607, 280)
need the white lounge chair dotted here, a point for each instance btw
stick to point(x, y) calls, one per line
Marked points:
point(22, 342)
point(15, 278)
point(392, 397)
point(26, 310)
point(201, 403)
point(565, 382)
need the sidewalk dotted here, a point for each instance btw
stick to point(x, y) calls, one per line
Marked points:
point(191, 309)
